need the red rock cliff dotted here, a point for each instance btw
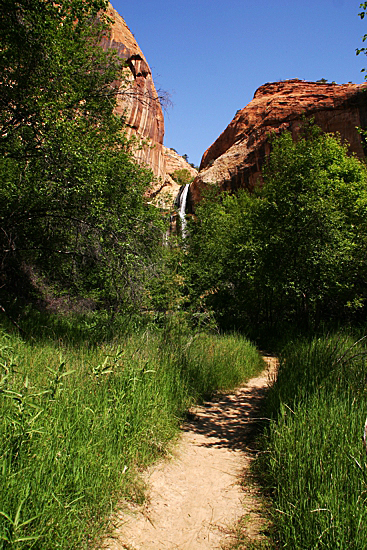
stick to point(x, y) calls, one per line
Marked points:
point(139, 101)
point(235, 159)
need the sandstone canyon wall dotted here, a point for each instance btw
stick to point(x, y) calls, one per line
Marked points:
point(140, 104)
point(174, 162)
point(168, 189)
point(139, 101)
point(235, 159)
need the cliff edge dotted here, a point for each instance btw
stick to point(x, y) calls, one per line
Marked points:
point(236, 158)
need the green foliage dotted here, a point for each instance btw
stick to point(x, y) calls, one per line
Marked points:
point(72, 207)
point(166, 284)
point(311, 224)
point(74, 435)
point(294, 250)
point(208, 357)
point(362, 15)
point(315, 464)
point(218, 256)
point(182, 176)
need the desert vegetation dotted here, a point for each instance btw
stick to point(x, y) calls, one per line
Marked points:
point(109, 331)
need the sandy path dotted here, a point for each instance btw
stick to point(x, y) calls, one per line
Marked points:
point(196, 497)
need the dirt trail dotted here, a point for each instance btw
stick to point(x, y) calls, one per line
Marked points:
point(196, 498)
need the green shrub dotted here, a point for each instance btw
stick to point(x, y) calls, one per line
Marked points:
point(182, 176)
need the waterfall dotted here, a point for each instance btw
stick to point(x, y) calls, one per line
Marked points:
point(182, 200)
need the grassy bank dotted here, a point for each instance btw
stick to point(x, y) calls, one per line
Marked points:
point(79, 420)
point(314, 461)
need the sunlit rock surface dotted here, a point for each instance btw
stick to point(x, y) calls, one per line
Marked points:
point(235, 159)
point(139, 101)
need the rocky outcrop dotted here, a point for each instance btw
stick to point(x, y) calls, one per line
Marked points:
point(175, 162)
point(167, 191)
point(235, 159)
point(138, 100)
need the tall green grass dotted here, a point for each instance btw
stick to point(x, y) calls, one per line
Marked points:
point(79, 421)
point(314, 459)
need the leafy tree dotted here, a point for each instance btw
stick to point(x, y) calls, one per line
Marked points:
point(310, 223)
point(220, 256)
point(51, 70)
point(72, 205)
point(182, 176)
point(295, 250)
point(362, 15)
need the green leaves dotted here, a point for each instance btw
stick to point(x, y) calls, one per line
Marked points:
point(182, 176)
point(309, 208)
point(72, 206)
point(292, 252)
point(14, 528)
point(362, 15)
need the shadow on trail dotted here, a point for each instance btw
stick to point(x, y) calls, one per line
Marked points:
point(230, 420)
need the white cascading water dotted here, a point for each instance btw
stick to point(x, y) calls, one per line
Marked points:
point(182, 209)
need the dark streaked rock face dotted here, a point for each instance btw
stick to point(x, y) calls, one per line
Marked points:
point(139, 101)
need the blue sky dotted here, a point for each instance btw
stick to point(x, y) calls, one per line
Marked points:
point(211, 56)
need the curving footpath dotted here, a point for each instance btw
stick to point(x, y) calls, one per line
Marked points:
point(196, 498)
